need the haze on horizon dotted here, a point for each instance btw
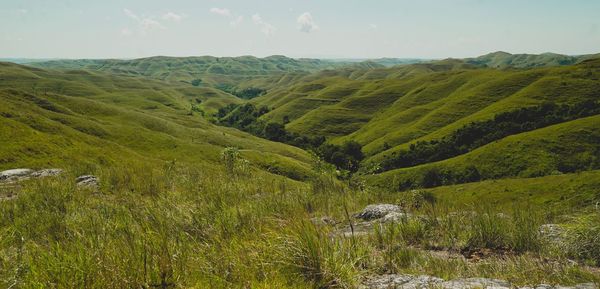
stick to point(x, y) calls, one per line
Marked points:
point(317, 29)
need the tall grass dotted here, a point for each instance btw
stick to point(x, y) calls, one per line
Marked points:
point(327, 262)
point(173, 226)
point(583, 238)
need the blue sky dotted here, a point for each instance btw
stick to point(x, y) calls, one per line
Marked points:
point(296, 28)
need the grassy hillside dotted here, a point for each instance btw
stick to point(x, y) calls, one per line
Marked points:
point(177, 207)
point(388, 110)
point(506, 60)
point(566, 147)
point(84, 118)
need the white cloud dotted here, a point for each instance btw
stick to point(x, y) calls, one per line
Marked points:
point(373, 26)
point(148, 24)
point(22, 11)
point(131, 14)
point(236, 21)
point(126, 31)
point(265, 27)
point(306, 23)
point(145, 24)
point(221, 11)
point(172, 16)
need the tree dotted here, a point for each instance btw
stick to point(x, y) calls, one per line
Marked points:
point(353, 149)
point(275, 131)
point(432, 178)
point(196, 82)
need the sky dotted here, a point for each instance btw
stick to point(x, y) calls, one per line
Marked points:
point(297, 28)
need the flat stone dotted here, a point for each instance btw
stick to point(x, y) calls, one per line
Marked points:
point(476, 283)
point(46, 173)
point(15, 174)
point(378, 211)
point(88, 181)
point(395, 217)
point(401, 281)
point(404, 281)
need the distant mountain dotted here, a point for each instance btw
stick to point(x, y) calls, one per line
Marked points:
point(502, 59)
point(202, 69)
point(386, 61)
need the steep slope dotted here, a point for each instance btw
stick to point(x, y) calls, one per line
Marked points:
point(563, 148)
point(494, 92)
point(390, 110)
point(52, 118)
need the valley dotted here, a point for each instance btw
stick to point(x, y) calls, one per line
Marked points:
point(275, 172)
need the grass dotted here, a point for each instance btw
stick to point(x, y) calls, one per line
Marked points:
point(179, 226)
point(548, 149)
point(172, 211)
point(97, 120)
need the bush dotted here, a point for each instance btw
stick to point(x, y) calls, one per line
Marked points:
point(583, 238)
point(196, 82)
point(233, 162)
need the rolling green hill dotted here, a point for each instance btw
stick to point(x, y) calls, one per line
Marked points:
point(502, 59)
point(52, 118)
point(471, 159)
point(389, 109)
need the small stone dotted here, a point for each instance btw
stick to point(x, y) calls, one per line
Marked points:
point(552, 233)
point(322, 221)
point(88, 181)
point(378, 211)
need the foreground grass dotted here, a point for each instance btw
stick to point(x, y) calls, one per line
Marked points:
point(175, 226)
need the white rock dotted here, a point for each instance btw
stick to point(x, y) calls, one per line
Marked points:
point(15, 174)
point(378, 211)
point(476, 283)
point(47, 173)
point(88, 181)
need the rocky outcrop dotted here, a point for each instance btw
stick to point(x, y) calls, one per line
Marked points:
point(46, 173)
point(371, 216)
point(402, 281)
point(16, 175)
point(88, 181)
point(377, 211)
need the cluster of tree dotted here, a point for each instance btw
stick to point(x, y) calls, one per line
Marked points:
point(245, 93)
point(347, 156)
point(243, 117)
point(196, 82)
point(246, 117)
point(477, 134)
point(435, 177)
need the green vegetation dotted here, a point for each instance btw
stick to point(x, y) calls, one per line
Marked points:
point(58, 119)
point(477, 134)
point(246, 117)
point(248, 173)
point(506, 60)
